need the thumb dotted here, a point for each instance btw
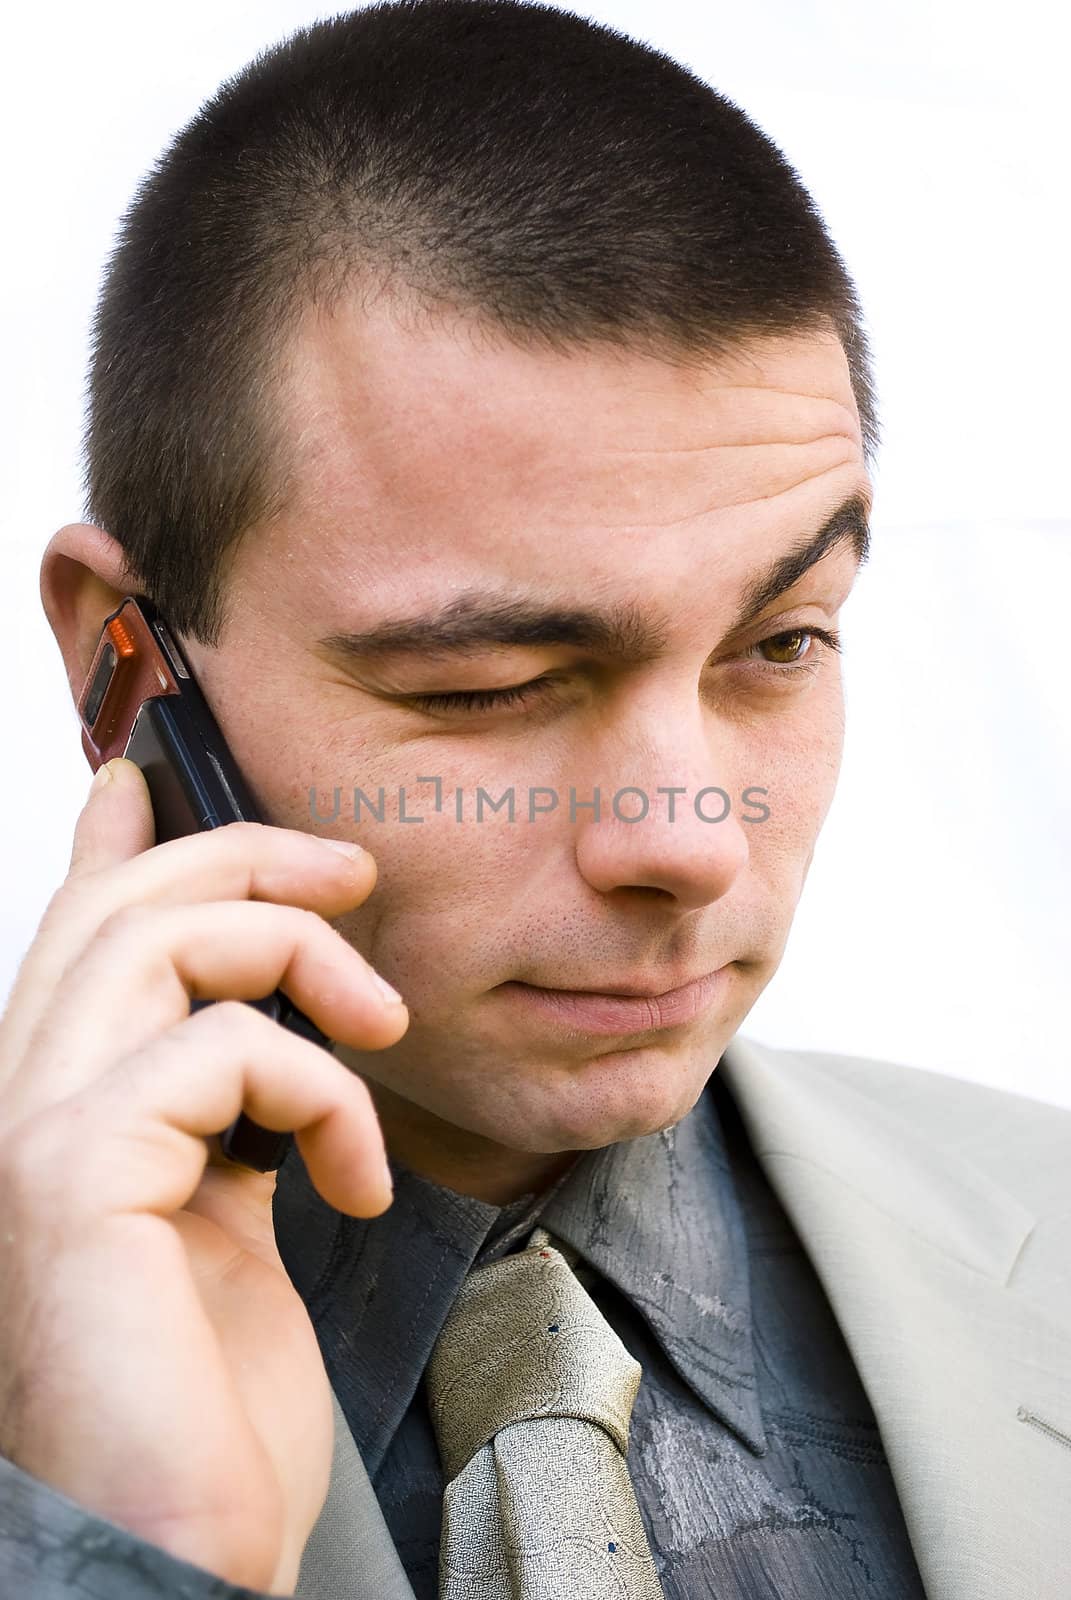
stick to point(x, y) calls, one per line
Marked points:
point(116, 821)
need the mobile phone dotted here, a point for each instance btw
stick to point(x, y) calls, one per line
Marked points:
point(142, 701)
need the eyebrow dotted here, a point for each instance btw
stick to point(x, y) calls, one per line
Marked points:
point(623, 633)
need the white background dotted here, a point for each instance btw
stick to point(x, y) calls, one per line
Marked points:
point(934, 927)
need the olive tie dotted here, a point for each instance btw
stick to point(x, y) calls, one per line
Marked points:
point(531, 1394)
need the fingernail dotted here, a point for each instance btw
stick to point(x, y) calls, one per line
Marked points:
point(391, 996)
point(343, 846)
point(388, 1177)
point(100, 778)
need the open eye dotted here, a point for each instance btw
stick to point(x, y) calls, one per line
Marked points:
point(799, 660)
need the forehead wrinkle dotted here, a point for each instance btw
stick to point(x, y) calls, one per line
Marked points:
point(744, 496)
point(794, 430)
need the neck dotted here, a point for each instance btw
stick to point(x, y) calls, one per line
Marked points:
point(456, 1159)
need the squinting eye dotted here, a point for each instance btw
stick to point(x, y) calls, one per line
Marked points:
point(478, 699)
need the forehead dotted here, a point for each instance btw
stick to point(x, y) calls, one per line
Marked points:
point(435, 446)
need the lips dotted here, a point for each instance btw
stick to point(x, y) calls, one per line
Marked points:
point(644, 991)
point(617, 1010)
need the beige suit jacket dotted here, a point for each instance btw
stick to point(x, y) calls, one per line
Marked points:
point(938, 1217)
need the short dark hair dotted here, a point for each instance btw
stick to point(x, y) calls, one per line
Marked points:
point(515, 162)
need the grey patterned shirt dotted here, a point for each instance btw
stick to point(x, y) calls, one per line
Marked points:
point(756, 1459)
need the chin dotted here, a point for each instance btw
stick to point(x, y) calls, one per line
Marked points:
point(618, 1095)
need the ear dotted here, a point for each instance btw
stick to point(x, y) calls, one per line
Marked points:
point(84, 576)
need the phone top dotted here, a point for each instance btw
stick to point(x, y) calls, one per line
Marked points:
point(135, 660)
point(141, 700)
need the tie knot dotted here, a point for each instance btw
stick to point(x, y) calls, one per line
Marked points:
point(524, 1339)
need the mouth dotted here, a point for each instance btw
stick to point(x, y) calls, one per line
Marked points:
point(618, 1009)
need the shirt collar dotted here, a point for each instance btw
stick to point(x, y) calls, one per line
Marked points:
point(657, 1216)
point(660, 1218)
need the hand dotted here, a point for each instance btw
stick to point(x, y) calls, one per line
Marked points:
point(156, 1364)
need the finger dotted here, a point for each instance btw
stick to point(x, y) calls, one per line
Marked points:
point(242, 861)
point(140, 971)
point(133, 1140)
point(239, 861)
point(116, 821)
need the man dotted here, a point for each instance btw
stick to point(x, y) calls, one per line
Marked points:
point(482, 401)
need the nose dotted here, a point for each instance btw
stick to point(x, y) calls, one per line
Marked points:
point(670, 814)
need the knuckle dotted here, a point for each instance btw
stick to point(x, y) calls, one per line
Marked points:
point(307, 924)
point(243, 836)
point(239, 1030)
point(361, 1095)
point(31, 1156)
point(69, 900)
point(231, 1018)
point(125, 923)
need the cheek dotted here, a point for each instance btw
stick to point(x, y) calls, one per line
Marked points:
point(446, 887)
point(449, 903)
point(801, 762)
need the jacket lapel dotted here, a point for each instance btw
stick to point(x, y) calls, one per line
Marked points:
point(916, 1249)
point(350, 1551)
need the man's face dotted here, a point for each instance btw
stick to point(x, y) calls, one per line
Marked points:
point(433, 463)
